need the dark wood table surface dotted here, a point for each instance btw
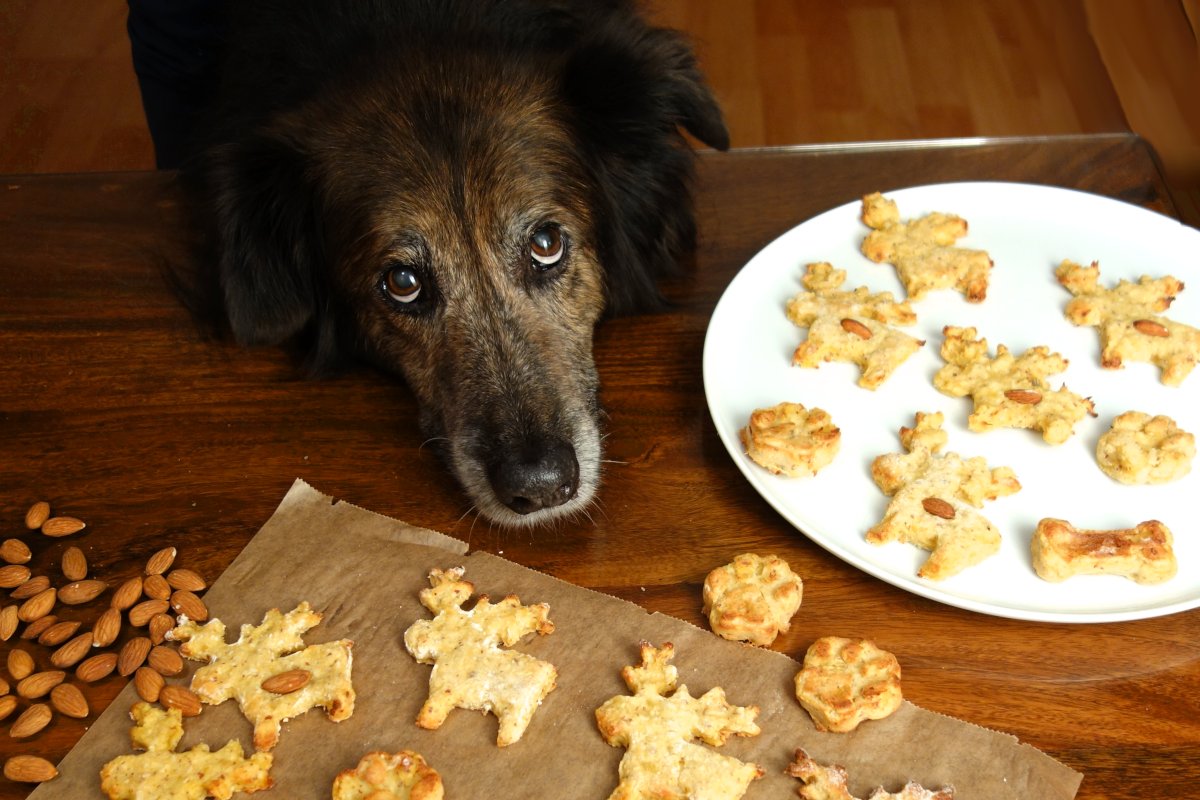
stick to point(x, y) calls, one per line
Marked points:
point(114, 409)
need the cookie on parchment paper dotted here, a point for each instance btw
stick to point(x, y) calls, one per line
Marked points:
point(829, 782)
point(847, 681)
point(752, 598)
point(389, 776)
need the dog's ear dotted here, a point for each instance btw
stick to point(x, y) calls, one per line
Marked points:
point(632, 87)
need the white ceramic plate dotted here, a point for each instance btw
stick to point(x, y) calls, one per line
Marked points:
point(1027, 230)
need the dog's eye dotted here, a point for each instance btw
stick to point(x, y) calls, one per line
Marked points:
point(546, 246)
point(402, 284)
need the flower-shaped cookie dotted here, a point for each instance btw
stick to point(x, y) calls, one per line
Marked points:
point(789, 439)
point(752, 599)
point(1140, 448)
point(847, 681)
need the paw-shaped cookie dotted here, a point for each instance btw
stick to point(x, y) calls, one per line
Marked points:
point(1009, 391)
point(1128, 321)
point(853, 326)
point(934, 497)
point(846, 681)
point(1143, 553)
point(389, 776)
point(922, 250)
point(789, 439)
point(1140, 448)
point(829, 782)
point(752, 599)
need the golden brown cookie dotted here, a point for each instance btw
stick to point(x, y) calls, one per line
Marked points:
point(389, 776)
point(1143, 553)
point(847, 681)
point(922, 250)
point(194, 774)
point(852, 326)
point(934, 497)
point(659, 731)
point(789, 439)
point(1009, 391)
point(237, 671)
point(1139, 448)
point(829, 782)
point(752, 599)
point(470, 669)
point(1127, 317)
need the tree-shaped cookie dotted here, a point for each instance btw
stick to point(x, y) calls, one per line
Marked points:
point(829, 782)
point(189, 775)
point(470, 669)
point(1009, 391)
point(934, 497)
point(922, 250)
point(316, 675)
point(1128, 320)
point(850, 326)
point(661, 759)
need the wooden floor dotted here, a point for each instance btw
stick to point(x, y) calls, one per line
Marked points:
point(786, 71)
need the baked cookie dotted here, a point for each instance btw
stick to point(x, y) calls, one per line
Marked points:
point(1009, 391)
point(752, 599)
point(389, 776)
point(852, 326)
point(470, 669)
point(828, 782)
point(237, 671)
point(934, 497)
point(1139, 448)
point(789, 439)
point(922, 250)
point(658, 731)
point(1142, 553)
point(189, 775)
point(846, 681)
point(1128, 321)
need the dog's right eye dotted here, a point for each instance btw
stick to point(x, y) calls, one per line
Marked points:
point(402, 284)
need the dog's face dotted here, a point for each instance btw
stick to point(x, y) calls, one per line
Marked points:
point(465, 225)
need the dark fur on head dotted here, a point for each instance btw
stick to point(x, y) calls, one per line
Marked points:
point(443, 136)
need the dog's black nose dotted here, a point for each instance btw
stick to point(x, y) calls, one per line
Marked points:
point(535, 477)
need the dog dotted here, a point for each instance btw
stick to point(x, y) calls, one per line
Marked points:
point(457, 191)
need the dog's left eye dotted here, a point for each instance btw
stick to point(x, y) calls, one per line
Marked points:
point(546, 247)
point(402, 284)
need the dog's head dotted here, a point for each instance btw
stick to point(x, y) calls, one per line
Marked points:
point(462, 209)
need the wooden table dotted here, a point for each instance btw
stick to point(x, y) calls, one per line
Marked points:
point(115, 410)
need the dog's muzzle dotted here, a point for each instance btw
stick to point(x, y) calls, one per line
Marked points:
point(536, 476)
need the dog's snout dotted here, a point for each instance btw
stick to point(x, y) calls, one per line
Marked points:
point(531, 478)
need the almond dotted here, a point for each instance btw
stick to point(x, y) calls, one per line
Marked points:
point(8, 704)
point(287, 682)
point(127, 593)
point(186, 579)
point(148, 683)
point(74, 564)
point(36, 628)
point(37, 515)
point(14, 551)
point(39, 684)
point(1151, 328)
point(3, 686)
point(38, 606)
point(857, 328)
point(73, 651)
point(58, 633)
point(161, 561)
point(8, 622)
point(20, 664)
point(132, 655)
point(62, 526)
point(156, 587)
point(938, 507)
point(13, 576)
point(159, 625)
point(189, 605)
point(29, 769)
point(165, 660)
point(36, 717)
point(1026, 397)
point(79, 592)
point(97, 667)
point(69, 701)
point(107, 628)
point(140, 614)
point(30, 587)
point(187, 701)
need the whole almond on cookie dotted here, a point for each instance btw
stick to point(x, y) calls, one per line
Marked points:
point(29, 769)
point(187, 580)
point(13, 576)
point(14, 551)
point(58, 633)
point(62, 526)
point(857, 328)
point(287, 682)
point(78, 592)
point(73, 651)
point(30, 587)
point(1151, 328)
point(140, 614)
point(69, 701)
point(96, 667)
point(127, 593)
point(148, 683)
point(34, 718)
point(37, 515)
point(133, 655)
point(161, 561)
point(74, 564)
point(938, 507)
point(1027, 397)
point(187, 701)
point(107, 628)
point(189, 605)
point(20, 663)
point(39, 684)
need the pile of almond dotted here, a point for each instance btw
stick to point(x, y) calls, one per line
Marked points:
point(147, 601)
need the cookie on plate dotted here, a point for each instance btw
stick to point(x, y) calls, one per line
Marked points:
point(1139, 448)
point(752, 598)
point(389, 776)
point(922, 250)
point(846, 681)
point(829, 782)
point(1143, 553)
point(789, 439)
point(853, 326)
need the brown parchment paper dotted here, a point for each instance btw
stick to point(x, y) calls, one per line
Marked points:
point(364, 570)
